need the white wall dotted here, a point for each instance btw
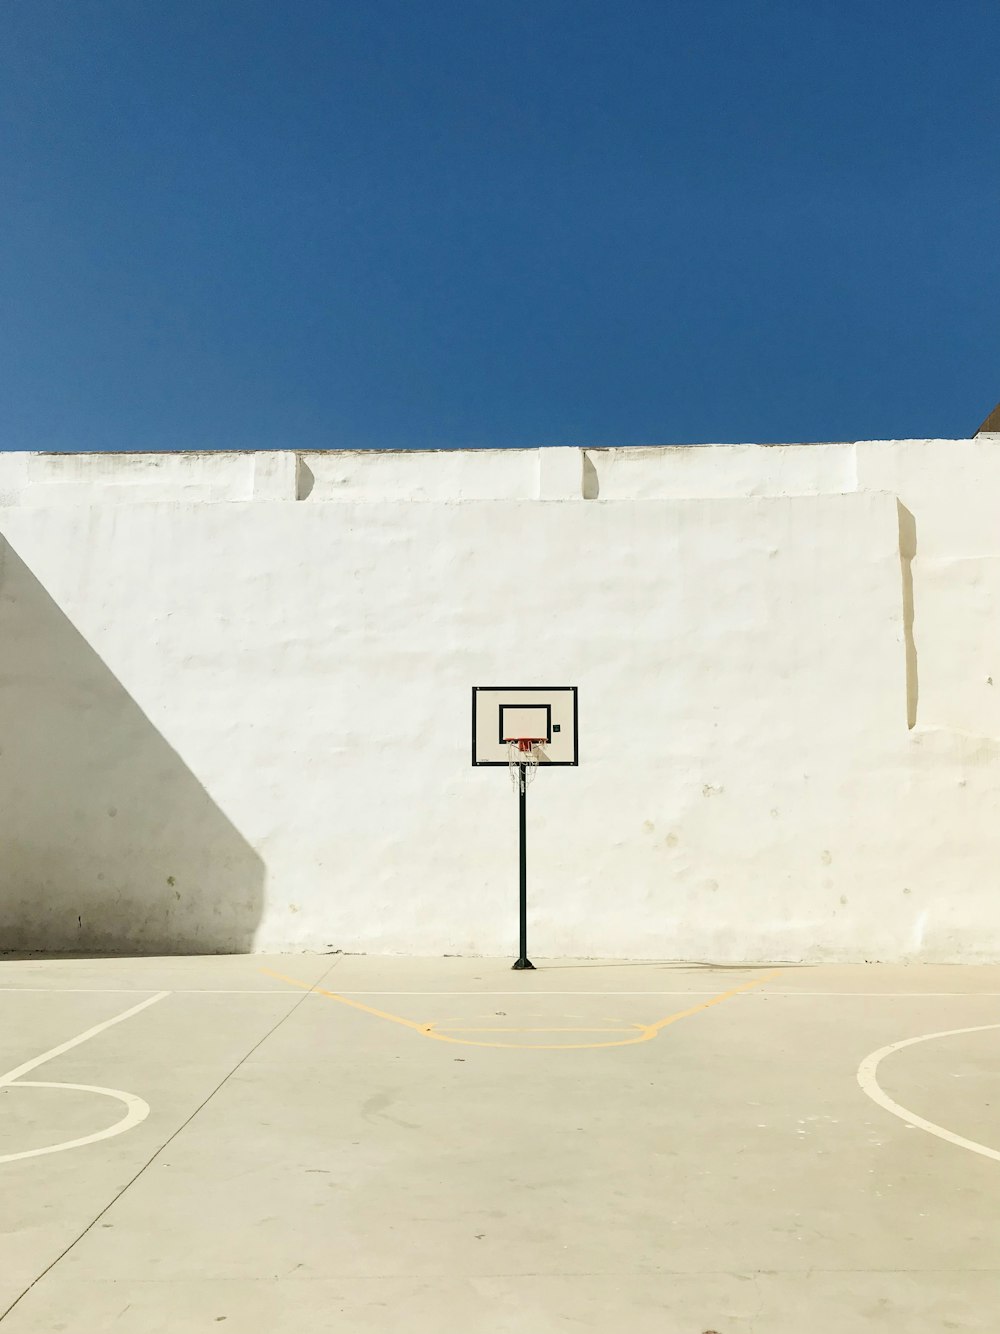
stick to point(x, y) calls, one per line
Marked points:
point(235, 692)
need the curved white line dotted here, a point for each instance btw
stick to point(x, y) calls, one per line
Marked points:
point(867, 1078)
point(137, 1110)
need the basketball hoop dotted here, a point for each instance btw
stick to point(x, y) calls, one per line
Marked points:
point(523, 751)
point(522, 727)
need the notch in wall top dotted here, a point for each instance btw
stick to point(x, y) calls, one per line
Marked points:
point(277, 475)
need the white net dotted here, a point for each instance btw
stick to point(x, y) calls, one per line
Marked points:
point(516, 757)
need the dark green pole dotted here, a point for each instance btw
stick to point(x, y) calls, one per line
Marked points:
point(522, 787)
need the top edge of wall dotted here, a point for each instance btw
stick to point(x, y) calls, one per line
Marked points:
point(478, 450)
point(562, 473)
point(779, 444)
point(253, 453)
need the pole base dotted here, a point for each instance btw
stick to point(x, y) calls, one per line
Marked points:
point(521, 964)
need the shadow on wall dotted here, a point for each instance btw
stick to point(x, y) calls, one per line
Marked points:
point(591, 481)
point(108, 842)
point(907, 552)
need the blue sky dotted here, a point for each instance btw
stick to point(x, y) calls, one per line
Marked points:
point(438, 223)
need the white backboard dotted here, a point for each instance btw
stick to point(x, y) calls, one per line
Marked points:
point(542, 713)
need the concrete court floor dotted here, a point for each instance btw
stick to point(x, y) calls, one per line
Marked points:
point(562, 1160)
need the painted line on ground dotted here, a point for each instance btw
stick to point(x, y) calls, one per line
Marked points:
point(645, 1034)
point(553, 1028)
point(261, 991)
point(890, 995)
point(89, 1033)
point(533, 995)
point(139, 991)
point(136, 1108)
point(868, 1080)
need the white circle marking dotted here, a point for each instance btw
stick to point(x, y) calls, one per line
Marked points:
point(868, 1079)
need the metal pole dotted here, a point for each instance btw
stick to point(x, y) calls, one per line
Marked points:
point(522, 793)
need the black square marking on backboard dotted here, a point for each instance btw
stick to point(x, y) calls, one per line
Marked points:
point(548, 720)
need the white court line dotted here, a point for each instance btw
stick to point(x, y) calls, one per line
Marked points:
point(918, 995)
point(868, 1079)
point(174, 991)
point(258, 991)
point(36, 1061)
point(136, 1108)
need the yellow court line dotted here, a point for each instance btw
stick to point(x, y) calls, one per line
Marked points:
point(346, 1000)
point(661, 1024)
point(646, 1031)
point(549, 1028)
